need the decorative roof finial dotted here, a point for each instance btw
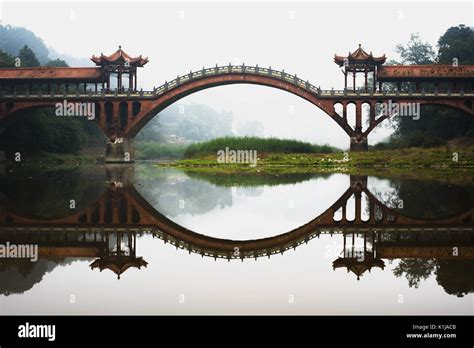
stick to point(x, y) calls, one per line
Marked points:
point(359, 45)
point(120, 47)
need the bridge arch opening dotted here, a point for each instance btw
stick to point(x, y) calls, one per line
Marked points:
point(109, 115)
point(365, 114)
point(339, 108)
point(123, 115)
point(351, 114)
point(259, 103)
point(136, 108)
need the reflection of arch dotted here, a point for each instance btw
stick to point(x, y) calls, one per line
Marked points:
point(125, 208)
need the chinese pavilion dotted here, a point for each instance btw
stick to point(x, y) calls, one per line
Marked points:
point(358, 260)
point(119, 64)
point(119, 254)
point(359, 61)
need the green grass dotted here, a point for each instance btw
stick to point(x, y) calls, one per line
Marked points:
point(261, 145)
point(371, 162)
point(151, 150)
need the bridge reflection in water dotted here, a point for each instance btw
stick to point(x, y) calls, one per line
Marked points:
point(107, 231)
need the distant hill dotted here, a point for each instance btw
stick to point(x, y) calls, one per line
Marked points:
point(12, 40)
point(187, 123)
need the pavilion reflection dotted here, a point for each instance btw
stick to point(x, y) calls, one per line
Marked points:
point(449, 252)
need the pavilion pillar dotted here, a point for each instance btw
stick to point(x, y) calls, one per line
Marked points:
point(135, 76)
point(345, 80)
point(130, 81)
point(374, 85)
point(354, 79)
point(365, 73)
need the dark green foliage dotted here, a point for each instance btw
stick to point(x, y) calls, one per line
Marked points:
point(6, 60)
point(152, 150)
point(57, 62)
point(28, 57)
point(35, 131)
point(438, 124)
point(457, 42)
point(262, 145)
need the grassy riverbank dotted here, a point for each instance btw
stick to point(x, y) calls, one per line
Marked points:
point(402, 160)
point(157, 151)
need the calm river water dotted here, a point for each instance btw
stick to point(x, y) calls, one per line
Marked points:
point(419, 261)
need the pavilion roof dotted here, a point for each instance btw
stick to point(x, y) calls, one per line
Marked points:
point(119, 57)
point(359, 56)
point(118, 264)
point(358, 267)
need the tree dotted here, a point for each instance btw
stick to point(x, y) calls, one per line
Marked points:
point(28, 57)
point(457, 42)
point(416, 51)
point(415, 270)
point(6, 60)
point(57, 62)
point(437, 124)
point(455, 276)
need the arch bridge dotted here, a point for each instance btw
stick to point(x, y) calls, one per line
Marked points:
point(122, 112)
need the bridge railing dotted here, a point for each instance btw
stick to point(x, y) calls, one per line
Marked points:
point(231, 69)
point(235, 69)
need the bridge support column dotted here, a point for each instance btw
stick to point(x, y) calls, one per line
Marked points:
point(120, 150)
point(359, 144)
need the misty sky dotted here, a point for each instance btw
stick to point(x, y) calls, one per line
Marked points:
point(299, 37)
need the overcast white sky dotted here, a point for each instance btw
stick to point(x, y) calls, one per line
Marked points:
point(300, 37)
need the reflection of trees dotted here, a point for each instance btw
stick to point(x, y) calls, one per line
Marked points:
point(20, 275)
point(425, 199)
point(415, 270)
point(456, 276)
point(172, 193)
point(46, 194)
point(255, 179)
